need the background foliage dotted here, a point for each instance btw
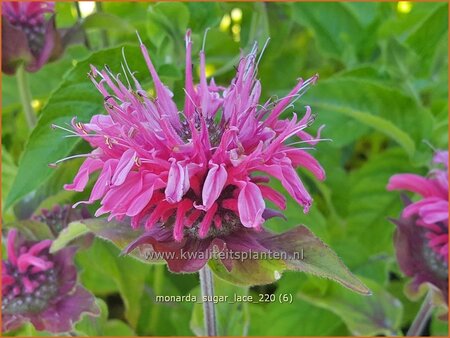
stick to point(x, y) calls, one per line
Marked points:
point(382, 92)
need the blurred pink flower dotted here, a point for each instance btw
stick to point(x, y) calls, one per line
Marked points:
point(421, 237)
point(27, 36)
point(40, 287)
point(432, 209)
point(202, 172)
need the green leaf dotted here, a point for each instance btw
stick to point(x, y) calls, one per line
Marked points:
point(204, 15)
point(372, 105)
point(74, 230)
point(163, 318)
point(9, 170)
point(314, 217)
point(380, 124)
point(379, 314)
point(318, 259)
point(32, 230)
point(92, 326)
point(370, 203)
point(167, 20)
point(439, 327)
point(49, 193)
point(279, 312)
point(117, 328)
point(126, 273)
point(426, 37)
point(171, 15)
point(46, 74)
point(120, 234)
point(335, 33)
point(315, 257)
point(102, 20)
point(272, 317)
point(101, 326)
point(299, 250)
point(249, 272)
point(76, 96)
point(169, 72)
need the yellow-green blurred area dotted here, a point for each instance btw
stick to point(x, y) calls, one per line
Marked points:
point(382, 94)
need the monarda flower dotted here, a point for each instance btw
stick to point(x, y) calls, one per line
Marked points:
point(421, 239)
point(40, 287)
point(27, 36)
point(197, 177)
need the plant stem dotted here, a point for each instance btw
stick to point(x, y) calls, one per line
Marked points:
point(80, 18)
point(103, 33)
point(422, 317)
point(25, 96)
point(158, 281)
point(209, 312)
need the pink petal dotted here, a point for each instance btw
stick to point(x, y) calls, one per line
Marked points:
point(103, 181)
point(82, 177)
point(163, 93)
point(189, 102)
point(38, 247)
point(178, 227)
point(177, 183)
point(414, 208)
point(124, 166)
point(143, 198)
point(274, 196)
point(118, 199)
point(290, 181)
point(441, 157)
point(213, 186)
point(414, 183)
point(10, 246)
point(26, 260)
point(278, 109)
point(300, 157)
point(435, 212)
point(206, 222)
point(251, 205)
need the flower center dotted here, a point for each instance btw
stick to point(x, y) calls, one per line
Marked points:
point(434, 260)
point(35, 34)
point(30, 292)
point(215, 131)
point(230, 223)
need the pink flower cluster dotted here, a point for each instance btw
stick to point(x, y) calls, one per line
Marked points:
point(432, 209)
point(27, 14)
point(40, 287)
point(28, 37)
point(201, 171)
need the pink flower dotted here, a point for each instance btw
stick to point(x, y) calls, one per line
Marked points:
point(40, 287)
point(432, 209)
point(201, 172)
point(28, 36)
point(421, 237)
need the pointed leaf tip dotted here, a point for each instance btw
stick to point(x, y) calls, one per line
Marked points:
point(306, 252)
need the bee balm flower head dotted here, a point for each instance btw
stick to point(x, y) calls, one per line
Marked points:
point(28, 36)
point(198, 174)
point(422, 230)
point(38, 287)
